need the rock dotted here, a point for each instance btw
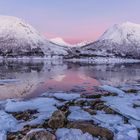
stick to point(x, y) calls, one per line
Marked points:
point(57, 120)
point(65, 109)
point(99, 106)
point(26, 115)
point(109, 110)
point(14, 136)
point(94, 102)
point(39, 135)
point(91, 96)
point(80, 102)
point(92, 129)
point(90, 111)
point(136, 104)
point(131, 91)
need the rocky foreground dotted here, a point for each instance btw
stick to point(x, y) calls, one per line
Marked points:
point(108, 114)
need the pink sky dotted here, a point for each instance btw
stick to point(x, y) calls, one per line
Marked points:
point(89, 33)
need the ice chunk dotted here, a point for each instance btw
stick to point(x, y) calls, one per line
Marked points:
point(108, 118)
point(124, 105)
point(112, 89)
point(78, 114)
point(73, 134)
point(45, 107)
point(66, 96)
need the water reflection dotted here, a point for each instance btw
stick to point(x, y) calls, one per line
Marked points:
point(26, 79)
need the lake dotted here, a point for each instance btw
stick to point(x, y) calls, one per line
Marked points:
point(30, 78)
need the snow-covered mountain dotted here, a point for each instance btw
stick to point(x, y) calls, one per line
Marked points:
point(61, 42)
point(125, 33)
point(121, 40)
point(18, 38)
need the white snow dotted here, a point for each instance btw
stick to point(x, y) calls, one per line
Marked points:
point(73, 134)
point(103, 60)
point(17, 34)
point(60, 41)
point(12, 27)
point(124, 32)
point(66, 96)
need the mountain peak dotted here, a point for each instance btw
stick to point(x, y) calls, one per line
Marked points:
point(124, 32)
point(59, 41)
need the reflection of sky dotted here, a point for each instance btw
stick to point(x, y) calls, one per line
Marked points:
point(59, 78)
point(70, 81)
point(73, 20)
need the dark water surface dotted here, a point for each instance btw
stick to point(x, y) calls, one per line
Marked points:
point(27, 79)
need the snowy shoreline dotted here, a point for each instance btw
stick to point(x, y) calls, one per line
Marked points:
point(98, 60)
point(103, 60)
point(114, 111)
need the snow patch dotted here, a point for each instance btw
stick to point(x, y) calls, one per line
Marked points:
point(73, 134)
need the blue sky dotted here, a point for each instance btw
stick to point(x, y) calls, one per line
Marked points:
point(73, 20)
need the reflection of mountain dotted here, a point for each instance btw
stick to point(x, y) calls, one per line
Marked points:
point(33, 78)
point(115, 74)
point(20, 67)
point(29, 74)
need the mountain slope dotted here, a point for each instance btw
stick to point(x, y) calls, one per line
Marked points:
point(59, 41)
point(18, 38)
point(121, 40)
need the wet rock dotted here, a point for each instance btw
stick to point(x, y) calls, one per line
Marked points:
point(92, 129)
point(14, 136)
point(26, 115)
point(90, 111)
point(136, 104)
point(94, 102)
point(91, 96)
point(70, 103)
point(99, 106)
point(39, 135)
point(131, 91)
point(65, 109)
point(80, 102)
point(57, 120)
point(109, 110)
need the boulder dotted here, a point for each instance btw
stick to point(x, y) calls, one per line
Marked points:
point(39, 135)
point(92, 129)
point(57, 120)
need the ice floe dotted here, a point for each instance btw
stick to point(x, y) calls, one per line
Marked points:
point(66, 96)
point(112, 89)
point(124, 105)
point(73, 134)
point(78, 114)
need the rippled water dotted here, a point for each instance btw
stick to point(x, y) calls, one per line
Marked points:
point(27, 79)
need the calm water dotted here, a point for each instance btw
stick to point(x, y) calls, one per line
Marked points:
point(27, 79)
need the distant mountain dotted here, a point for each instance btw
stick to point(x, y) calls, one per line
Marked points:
point(18, 38)
point(61, 42)
point(121, 40)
